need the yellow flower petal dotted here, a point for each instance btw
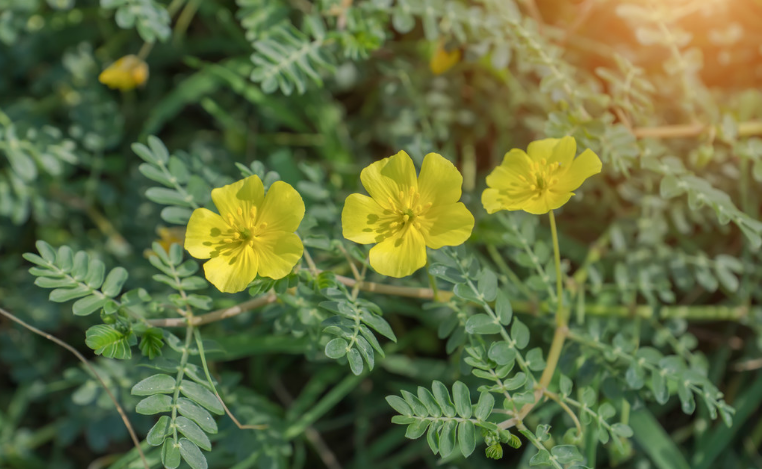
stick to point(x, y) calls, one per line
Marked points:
point(399, 255)
point(232, 269)
point(278, 253)
point(386, 179)
point(125, 74)
point(442, 60)
point(363, 220)
point(546, 202)
point(283, 208)
point(585, 165)
point(561, 150)
point(495, 200)
point(243, 195)
point(205, 231)
point(447, 225)
point(440, 181)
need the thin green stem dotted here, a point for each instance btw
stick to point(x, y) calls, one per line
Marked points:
point(562, 319)
point(179, 379)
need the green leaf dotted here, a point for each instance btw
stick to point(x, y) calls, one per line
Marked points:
point(659, 387)
point(487, 285)
point(432, 437)
point(534, 359)
point(156, 384)
point(106, 340)
point(164, 196)
point(399, 405)
point(622, 430)
point(159, 431)
point(484, 406)
point(176, 215)
point(155, 404)
point(336, 348)
point(193, 432)
point(520, 333)
point(46, 251)
point(202, 396)
point(47, 282)
point(687, 401)
point(88, 305)
point(418, 407)
point(447, 438)
point(65, 258)
point(429, 401)
point(62, 295)
point(466, 437)
point(464, 291)
point(482, 324)
point(503, 308)
point(378, 324)
point(95, 272)
point(193, 283)
point(542, 432)
point(462, 398)
point(566, 454)
point(516, 382)
point(442, 395)
point(79, 269)
point(192, 455)
point(151, 343)
point(542, 458)
point(355, 361)
point(501, 353)
point(416, 429)
point(114, 282)
point(170, 454)
point(159, 151)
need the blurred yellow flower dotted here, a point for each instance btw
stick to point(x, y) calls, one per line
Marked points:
point(167, 237)
point(541, 181)
point(404, 214)
point(253, 234)
point(125, 74)
point(442, 60)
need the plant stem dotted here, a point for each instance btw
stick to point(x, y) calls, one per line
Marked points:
point(81, 358)
point(562, 318)
point(179, 379)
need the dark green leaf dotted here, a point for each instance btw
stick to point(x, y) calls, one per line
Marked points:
point(156, 384)
point(202, 396)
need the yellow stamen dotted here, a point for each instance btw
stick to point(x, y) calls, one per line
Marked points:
point(263, 226)
point(253, 212)
point(237, 235)
point(227, 240)
point(230, 219)
point(240, 211)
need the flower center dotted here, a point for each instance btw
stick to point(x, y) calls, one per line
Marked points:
point(407, 209)
point(541, 177)
point(243, 227)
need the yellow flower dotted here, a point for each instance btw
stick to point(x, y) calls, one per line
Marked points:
point(442, 60)
point(125, 74)
point(404, 214)
point(253, 234)
point(167, 237)
point(541, 181)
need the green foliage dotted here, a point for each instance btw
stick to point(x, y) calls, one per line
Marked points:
point(149, 17)
point(645, 358)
